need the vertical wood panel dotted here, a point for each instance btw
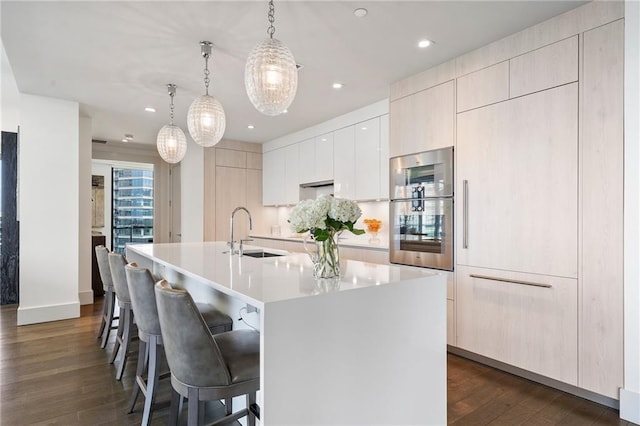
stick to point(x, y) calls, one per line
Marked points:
point(231, 192)
point(601, 327)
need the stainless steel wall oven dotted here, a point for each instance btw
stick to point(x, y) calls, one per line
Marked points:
point(421, 209)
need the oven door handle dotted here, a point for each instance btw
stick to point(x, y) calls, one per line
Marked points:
point(465, 214)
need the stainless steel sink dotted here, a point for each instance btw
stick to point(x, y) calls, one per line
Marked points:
point(260, 253)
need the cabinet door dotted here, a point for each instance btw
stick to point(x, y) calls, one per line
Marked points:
point(231, 192)
point(384, 157)
point(324, 158)
point(343, 163)
point(367, 161)
point(291, 178)
point(307, 161)
point(518, 162)
point(602, 285)
point(422, 121)
point(504, 316)
point(273, 177)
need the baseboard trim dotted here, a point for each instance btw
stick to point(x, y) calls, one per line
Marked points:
point(630, 405)
point(574, 390)
point(46, 313)
point(86, 297)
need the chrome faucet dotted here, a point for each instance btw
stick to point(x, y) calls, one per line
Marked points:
point(232, 242)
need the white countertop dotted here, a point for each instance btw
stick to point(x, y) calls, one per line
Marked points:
point(259, 281)
point(383, 245)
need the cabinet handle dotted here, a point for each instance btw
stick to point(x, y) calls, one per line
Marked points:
point(465, 214)
point(484, 277)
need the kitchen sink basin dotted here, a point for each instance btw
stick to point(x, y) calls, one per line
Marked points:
point(261, 253)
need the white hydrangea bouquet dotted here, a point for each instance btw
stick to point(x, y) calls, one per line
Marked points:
point(325, 218)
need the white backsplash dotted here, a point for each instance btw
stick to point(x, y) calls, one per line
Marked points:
point(370, 210)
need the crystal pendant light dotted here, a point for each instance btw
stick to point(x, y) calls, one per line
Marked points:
point(206, 119)
point(171, 141)
point(271, 74)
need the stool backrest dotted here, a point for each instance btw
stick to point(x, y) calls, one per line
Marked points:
point(143, 299)
point(102, 256)
point(117, 262)
point(193, 355)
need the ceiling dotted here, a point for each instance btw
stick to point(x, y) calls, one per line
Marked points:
point(115, 58)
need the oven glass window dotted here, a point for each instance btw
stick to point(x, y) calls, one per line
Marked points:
point(421, 226)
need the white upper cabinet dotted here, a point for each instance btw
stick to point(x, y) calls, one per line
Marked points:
point(273, 173)
point(316, 159)
point(422, 121)
point(384, 157)
point(324, 157)
point(291, 172)
point(367, 164)
point(344, 174)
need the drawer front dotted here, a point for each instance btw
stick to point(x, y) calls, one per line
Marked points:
point(525, 320)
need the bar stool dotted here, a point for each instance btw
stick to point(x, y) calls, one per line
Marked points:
point(143, 300)
point(120, 353)
point(205, 367)
point(106, 325)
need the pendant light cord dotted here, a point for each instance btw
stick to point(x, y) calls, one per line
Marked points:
point(172, 94)
point(271, 16)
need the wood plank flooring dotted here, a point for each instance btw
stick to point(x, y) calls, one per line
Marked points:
point(56, 374)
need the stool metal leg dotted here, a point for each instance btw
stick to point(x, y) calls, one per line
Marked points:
point(175, 410)
point(251, 418)
point(107, 318)
point(153, 374)
point(121, 326)
point(126, 339)
point(143, 354)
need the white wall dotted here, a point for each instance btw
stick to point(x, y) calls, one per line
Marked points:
point(49, 209)
point(630, 395)
point(192, 194)
point(85, 291)
point(9, 95)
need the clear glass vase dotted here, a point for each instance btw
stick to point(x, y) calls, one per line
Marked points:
point(325, 257)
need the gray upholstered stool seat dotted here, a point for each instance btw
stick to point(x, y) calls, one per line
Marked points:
point(141, 289)
point(204, 366)
point(106, 324)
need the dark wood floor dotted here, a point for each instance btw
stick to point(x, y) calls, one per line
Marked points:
point(56, 373)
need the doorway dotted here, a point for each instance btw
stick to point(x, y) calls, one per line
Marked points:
point(9, 226)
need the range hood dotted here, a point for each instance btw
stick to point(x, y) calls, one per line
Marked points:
point(317, 184)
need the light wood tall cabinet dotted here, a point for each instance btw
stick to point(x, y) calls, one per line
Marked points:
point(601, 189)
point(422, 121)
point(517, 182)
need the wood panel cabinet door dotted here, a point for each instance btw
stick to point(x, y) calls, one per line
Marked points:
point(525, 320)
point(422, 121)
point(273, 190)
point(517, 184)
point(601, 320)
point(231, 192)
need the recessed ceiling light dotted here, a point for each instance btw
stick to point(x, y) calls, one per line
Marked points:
point(424, 43)
point(337, 85)
point(127, 137)
point(360, 12)
point(285, 111)
point(250, 126)
point(150, 109)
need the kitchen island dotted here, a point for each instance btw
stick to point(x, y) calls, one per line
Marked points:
point(367, 349)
